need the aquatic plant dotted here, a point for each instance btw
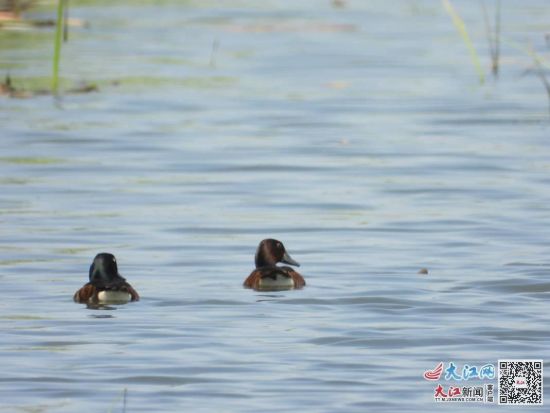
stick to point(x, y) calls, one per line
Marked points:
point(461, 27)
point(493, 38)
point(59, 31)
point(15, 7)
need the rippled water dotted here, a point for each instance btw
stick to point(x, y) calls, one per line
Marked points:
point(359, 136)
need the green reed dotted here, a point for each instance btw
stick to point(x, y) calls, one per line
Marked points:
point(461, 27)
point(57, 44)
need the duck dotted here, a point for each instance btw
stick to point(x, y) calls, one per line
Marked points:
point(269, 276)
point(106, 285)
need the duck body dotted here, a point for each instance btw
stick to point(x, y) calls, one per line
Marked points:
point(106, 285)
point(274, 278)
point(269, 276)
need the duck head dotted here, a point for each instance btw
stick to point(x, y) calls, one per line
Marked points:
point(270, 252)
point(104, 269)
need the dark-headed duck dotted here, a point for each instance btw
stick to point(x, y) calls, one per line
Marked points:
point(267, 275)
point(106, 284)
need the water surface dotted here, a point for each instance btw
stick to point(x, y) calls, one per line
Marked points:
point(359, 136)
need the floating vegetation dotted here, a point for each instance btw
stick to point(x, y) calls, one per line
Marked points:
point(10, 10)
point(30, 160)
point(38, 86)
point(14, 181)
point(32, 87)
point(289, 27)
point(11, 16)
point(23, 317)
point(71, 251)
point(196, 82)
point(7, 88)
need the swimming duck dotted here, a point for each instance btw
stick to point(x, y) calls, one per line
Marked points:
point(267, 275)
point(106, 284)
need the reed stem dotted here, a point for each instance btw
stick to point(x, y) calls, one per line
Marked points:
point(57, 46)
point(493, 38)
point(461, 27)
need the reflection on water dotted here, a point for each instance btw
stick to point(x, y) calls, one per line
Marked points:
point(105, 307)
point(358, 135)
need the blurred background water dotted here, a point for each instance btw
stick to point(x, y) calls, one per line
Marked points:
point(358, 135)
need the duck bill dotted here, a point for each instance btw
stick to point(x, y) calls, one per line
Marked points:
point(287, 259)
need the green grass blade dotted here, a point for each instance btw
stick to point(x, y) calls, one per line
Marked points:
point(461, 27)
point(57, 46)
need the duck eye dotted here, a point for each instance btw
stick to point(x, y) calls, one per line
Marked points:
point(279, 245)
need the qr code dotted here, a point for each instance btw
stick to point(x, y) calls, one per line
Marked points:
point(520, 382)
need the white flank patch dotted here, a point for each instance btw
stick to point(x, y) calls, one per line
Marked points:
point(113, 297)
point(279, 282)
